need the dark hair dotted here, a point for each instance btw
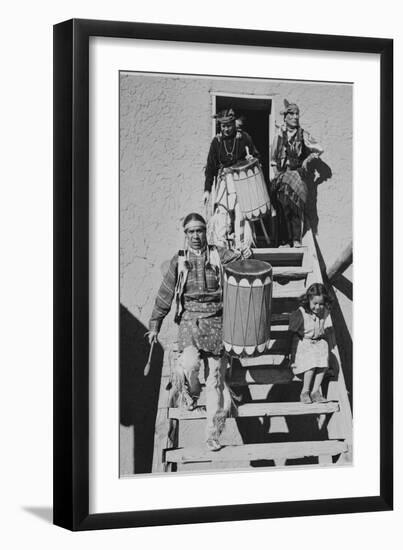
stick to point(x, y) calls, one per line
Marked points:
point(193, 216)
point(316, 289)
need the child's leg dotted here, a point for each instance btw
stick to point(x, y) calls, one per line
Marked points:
point(308, 375)
point(318, 378)
point(305, 396)
point(316, 394)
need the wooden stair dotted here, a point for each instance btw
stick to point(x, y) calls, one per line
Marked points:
point(269, 383)
point(261, 409)
point(260, 451)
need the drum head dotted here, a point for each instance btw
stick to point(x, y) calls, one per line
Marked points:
point(248, 269)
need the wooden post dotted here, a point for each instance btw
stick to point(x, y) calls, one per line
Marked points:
point(165, 436)
point(342, 263)
point(340, 424)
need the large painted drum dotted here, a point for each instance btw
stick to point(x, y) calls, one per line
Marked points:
point(247, 306)
point(246, 177)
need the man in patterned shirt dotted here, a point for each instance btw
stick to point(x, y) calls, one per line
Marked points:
point(193, 280)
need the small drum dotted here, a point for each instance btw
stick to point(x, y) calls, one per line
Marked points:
point(247, 306)
point(246, 177)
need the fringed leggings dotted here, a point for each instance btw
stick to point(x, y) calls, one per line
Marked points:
point(218, 398)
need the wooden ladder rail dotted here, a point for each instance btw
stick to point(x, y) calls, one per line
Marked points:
point(341, 423)
point(166, 429)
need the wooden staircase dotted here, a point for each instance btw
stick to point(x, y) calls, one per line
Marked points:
point(270, 427)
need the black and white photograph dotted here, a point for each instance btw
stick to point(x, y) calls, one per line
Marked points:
point(201, 249)
point(236, 277)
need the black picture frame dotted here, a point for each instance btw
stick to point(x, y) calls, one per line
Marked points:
point(71, 274)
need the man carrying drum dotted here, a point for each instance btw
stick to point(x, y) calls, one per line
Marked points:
point(292, 150)
point(228, 147)
point(194, 281)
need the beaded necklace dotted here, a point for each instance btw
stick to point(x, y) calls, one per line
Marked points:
point(230, 154)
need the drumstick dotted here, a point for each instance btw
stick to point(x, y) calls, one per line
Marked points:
point(213, 195)
point(264, 231)
point(148, 365)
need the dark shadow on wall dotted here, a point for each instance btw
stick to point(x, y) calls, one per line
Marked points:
point(138, 393)
point(319, 172)
point(343, 336)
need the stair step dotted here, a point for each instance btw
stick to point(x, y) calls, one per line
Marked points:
point(290, 272)
point(279, 319)
point(263, 409)
point(258, 451)
point(278, 328)
point(276, 357)
point(280, 256)
point(269, 374)
point(285, 304)
point(292, 289)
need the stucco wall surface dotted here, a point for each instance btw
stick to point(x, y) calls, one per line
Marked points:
point(165, 133)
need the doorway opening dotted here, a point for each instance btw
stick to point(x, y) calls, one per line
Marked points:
point(255, 115)
point(254, 112)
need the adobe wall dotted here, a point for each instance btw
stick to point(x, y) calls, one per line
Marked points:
point(165, 133)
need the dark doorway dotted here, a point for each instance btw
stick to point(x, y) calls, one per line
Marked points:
point(255, 115)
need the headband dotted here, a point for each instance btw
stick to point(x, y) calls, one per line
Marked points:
point(194, 224)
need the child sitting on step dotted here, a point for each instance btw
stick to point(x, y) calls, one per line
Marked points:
point(307, 341)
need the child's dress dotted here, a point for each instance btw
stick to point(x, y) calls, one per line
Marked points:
point(309, 348)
